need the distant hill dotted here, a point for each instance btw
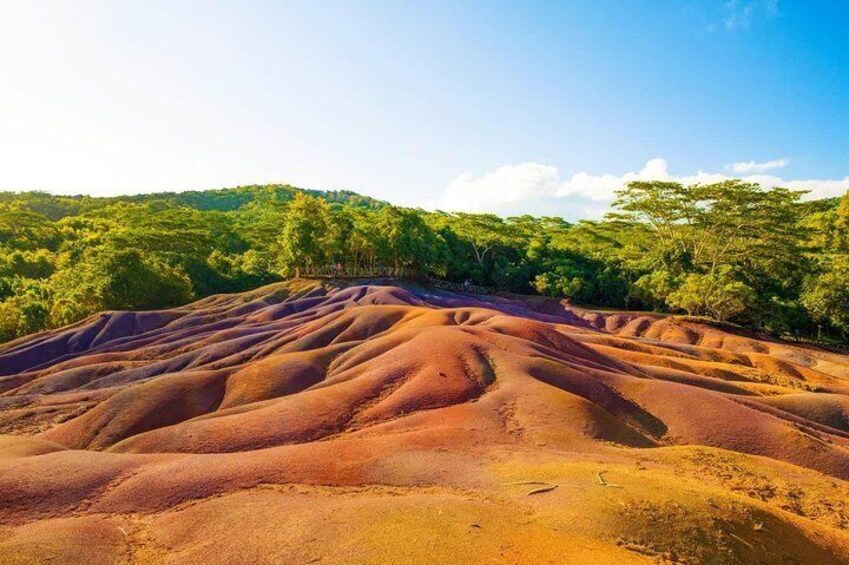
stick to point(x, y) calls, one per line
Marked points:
point(57, 207)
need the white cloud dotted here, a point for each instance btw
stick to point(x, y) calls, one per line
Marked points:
point(740, 13)
point(743, 167)
point(817, 188)
point(602, 188)
point(539, 189)
point(506, 185)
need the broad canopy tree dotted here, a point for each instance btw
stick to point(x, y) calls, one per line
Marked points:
point(712, 249)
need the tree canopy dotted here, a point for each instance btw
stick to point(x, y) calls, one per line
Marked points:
point(729, 250)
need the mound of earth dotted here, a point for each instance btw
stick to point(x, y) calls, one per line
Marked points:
point(310, 422)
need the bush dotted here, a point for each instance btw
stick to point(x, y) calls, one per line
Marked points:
point(116, 280)
point(717, 295)
point(25, 311)
point(561, 286)
point(826, 297)
point(651, 290)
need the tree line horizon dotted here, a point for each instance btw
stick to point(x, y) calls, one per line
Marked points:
point(730, 251)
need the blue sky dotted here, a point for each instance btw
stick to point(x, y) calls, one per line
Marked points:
point(504, 106)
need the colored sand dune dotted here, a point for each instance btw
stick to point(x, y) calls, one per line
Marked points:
point(307, 423)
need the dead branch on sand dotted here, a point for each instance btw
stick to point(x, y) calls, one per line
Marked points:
point(741, 540)
point(604, 483)
point(541, 490)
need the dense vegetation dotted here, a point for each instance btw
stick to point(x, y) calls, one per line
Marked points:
point(730, 251)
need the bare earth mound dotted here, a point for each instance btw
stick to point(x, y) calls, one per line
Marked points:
point(306, 423)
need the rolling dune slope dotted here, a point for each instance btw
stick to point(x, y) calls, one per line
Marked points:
point(309, 422)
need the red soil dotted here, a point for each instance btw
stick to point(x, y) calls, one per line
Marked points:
point(153, 424)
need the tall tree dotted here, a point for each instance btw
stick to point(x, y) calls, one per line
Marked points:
point(304, 238)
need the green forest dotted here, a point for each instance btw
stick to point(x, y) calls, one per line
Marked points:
point(731, 251)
